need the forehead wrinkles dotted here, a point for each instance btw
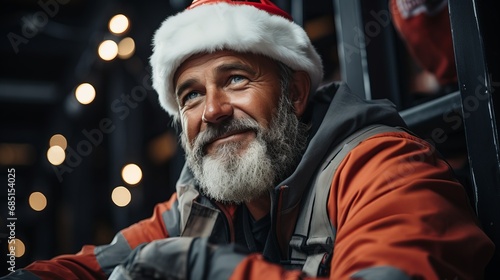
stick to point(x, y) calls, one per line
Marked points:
point(254, 61)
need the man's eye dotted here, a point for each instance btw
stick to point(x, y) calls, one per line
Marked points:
point(237, 79)
point(191, 95)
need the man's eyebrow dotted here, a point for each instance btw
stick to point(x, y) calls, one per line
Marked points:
point(235, 66)
point(186, 84)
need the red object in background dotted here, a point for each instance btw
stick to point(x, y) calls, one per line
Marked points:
point(424, 26)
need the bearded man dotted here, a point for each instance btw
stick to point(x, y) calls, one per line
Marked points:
point(236, 158)
point(282, 181)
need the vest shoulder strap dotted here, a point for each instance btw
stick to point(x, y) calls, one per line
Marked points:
point(312, 242)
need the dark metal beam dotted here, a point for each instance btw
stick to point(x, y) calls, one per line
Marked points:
point(473, 25)
point(28, 92)
point(352, 46)
point(431, 110)
point(381, 51)
point(367, 48)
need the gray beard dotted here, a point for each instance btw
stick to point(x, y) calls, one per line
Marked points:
point(230, 176)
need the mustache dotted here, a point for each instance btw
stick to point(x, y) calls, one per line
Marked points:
point(229, 126)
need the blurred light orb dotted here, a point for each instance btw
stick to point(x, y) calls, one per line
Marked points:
point(108, 50)
point(58, 140)
point(85, 93)
point(56, 155)
point(19, 248)
point(131, 174)
point(38, 201)
point(118, 24)
point(121, 196)
point(126, 48)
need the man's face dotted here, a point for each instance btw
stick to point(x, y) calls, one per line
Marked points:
point(239, 134)
point(211, 88)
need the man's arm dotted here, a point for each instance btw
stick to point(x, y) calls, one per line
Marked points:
point(97, 262)
point(399, 212)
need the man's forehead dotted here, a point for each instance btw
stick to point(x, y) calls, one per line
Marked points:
point(222, 56)
point(225, 54)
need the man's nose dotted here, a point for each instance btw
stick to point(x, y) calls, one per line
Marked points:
point(218, 106)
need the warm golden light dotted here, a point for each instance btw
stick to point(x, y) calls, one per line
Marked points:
point(108, 50)
point(162, 147)
point(126, 48)
point(17, 154)
point(38, 201)
point(85, 93)
point(56, 155)
point(17, 246)
point(58, 140)
point(121, 196)
point(118, 24)
point(131, 174)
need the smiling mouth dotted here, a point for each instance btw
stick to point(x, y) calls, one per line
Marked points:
point(232, 136)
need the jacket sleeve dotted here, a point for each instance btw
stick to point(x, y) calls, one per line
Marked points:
point(97, 262)
point(400, 214)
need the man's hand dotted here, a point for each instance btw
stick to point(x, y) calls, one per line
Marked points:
point(179, 258)
point(160, 259)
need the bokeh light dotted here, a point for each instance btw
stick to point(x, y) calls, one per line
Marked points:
point(126, 48)
point(118, 24)
point(38, 201)
point(121, 196)
point(18, 245)
point(85, 93)
point(56, 155)
point(131, 174)
point(108, 50)
point(58, 140)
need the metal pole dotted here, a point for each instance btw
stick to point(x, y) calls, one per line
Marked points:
point(472, 28)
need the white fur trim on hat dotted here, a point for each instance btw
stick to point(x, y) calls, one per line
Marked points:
point(222, 26)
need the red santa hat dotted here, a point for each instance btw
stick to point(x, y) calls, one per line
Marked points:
point(242, 26)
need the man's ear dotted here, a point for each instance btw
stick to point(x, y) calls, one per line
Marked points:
point(299, 91)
